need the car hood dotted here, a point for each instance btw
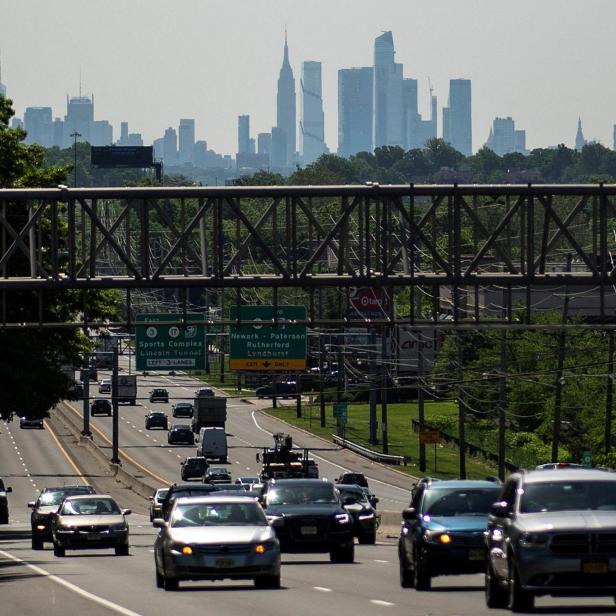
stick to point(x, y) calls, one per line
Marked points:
point(221, 534)
point(458, 523)
point(90, 520)
point(356, 508)
point(567, 521)
point(46, 510)
point(305, 509)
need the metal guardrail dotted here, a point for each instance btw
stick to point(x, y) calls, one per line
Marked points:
point(369, 453)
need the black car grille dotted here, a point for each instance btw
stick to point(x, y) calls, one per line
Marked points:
point(222, 549)
point(296, 525)
point(584, 544)
point(470, 540)
point(93, 529)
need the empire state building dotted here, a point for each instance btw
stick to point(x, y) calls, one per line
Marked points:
point(286, 110)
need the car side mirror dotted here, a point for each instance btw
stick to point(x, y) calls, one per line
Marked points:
point(258, 458)
point(500, 509)
point(32, 504)
point(9, 489)
point(159, 523)
point(126, 511)
point(409, 514)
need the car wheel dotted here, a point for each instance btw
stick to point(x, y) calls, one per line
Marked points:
point(520, 600)
point(406, 575)
point(170, 583)
point(267, 581)
point(421, 574)
point(496, 595)
point(58, 550)
point(121, 550)
point(368, 538)
point(37, 544)
point(4, 519)
point(160, 580)
point(342, 554)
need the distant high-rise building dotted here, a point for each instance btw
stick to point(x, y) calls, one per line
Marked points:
point(505, 139)
point(264, 143)
point(186, 140)
point(101, 133)
point(38, 123)
point(355, 106)
point(286, 115)
point(279, 151)
point(312, 123)
point(170, 147)
point(457, 117)
point(159, 148)
point(252, 146)
point(388, 114)
point(16, 122)
point(580, 142)
point(79, 118)
point(123, 140)
point(58, 132)
point(520, 141)
point(2, 86)
point(410, 115)
point(243, 134)
point(614, 142)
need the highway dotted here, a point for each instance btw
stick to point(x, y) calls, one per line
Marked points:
point(100, 583)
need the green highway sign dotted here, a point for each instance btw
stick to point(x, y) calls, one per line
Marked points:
point(263, 347)
point(587, 459)
point(161, 346)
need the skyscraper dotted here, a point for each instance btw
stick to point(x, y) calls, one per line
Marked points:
point(243, 134)
point(186, 140)
point(79, 118)
point(170, 147)
point(580, 142)
point(286, 115)
point(388, 115)
point(38, 123)
point(355, 105)
point(504, 138)
point(278, 151)
point(312, 123)
point(457, 119)
point(264, 143)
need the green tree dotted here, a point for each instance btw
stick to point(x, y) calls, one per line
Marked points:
point(30, 358)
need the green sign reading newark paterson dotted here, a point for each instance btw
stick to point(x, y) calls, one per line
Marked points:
point(163, 346)
point(256, 346)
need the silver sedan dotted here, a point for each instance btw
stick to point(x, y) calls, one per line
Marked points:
point(215, 538)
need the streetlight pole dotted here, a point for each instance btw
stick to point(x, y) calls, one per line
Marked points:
point(75, 135)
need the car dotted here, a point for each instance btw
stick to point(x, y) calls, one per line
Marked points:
point(90, 521)
point(359, 479)
point(372, 498)
point(100, 406)
point(159, 394)
point(32, 422)
point(550, 466)
point(181, 434)
point(104, 387)
point(551, 532)
point(246, 482)
point(216, 538)
point(442, 530)
point(204, 391)
point(217, 474)
point(364, 516)
point(287, 389)
point(308, 516)
point(156, 501)
point(183, 490)
point(156, 419)
point(45, 506)
point(193, 468)
point(183, 409)
point(4, 502)
point(228, 487)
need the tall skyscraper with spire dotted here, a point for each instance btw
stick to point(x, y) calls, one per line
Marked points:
point(286, 118)
point(312, 129)
point(580, 142)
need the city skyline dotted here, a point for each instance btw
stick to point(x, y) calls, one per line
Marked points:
point(507, 85)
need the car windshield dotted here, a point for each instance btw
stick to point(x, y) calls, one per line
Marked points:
point(295, 495)
point(456, 501)
point(218, 514)
point(358, 496)
point(569, 496)
point(90, 506)
point(56, 497)
point(160, 495)
point(185, 492)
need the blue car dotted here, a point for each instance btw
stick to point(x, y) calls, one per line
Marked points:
point(442, 530)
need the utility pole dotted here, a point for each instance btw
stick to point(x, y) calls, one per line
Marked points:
point(372, 372)
point(502, 405)
point(321, 389)
point(384, 391)
point(420, 401)
point(461, 407)
point(86, 397)
point(609, 393)
point(115, 459)
point(75, 135)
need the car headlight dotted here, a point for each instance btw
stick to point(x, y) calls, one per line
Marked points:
point(181, 548)
point(534, 540)
point(40, 527)
point(365, 516)
point(117, 527)
point(265, 546)
point(343, 518)
point(275, 520)
point(437, 536)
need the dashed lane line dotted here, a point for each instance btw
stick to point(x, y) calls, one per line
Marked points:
point(382, 603)
point(322, 589)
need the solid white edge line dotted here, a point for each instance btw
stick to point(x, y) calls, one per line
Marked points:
point(72, 587)
point(346, 470)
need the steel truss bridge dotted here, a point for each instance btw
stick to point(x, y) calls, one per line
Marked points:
point(479, 254)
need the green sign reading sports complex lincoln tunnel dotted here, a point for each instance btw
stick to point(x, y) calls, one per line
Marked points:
point(162, 342)
point(256, 346)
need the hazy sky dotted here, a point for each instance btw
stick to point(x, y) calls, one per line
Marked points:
point(151, 62)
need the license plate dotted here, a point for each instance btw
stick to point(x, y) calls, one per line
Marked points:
point(478, 554)
point(309, 530)
point(595, 566)
point(224, 563)
point(92, 536)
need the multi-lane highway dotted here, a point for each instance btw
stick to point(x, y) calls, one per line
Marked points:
point(101, 583)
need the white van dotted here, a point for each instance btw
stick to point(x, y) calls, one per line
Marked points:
point(213, 444)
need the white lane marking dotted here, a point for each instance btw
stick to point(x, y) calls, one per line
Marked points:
point(342, 468)
point(155, 440)
point(80, 591)
point(383, 603)
point(376, 560)
point(179, 456)
point(322, 589)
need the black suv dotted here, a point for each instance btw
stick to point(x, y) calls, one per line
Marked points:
point(181, 434)
point(308, 516)
point(100, 406)
point(356, 502)
point(217, 474)
point(44, 507)
point(552, 532)
point(181, 490)
point(442, 530)
point(183, 409)
point(159, 395)
point(156, 419)
point(285, 390)
point(193, 468)
point(4, 503)
point(359, 479)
